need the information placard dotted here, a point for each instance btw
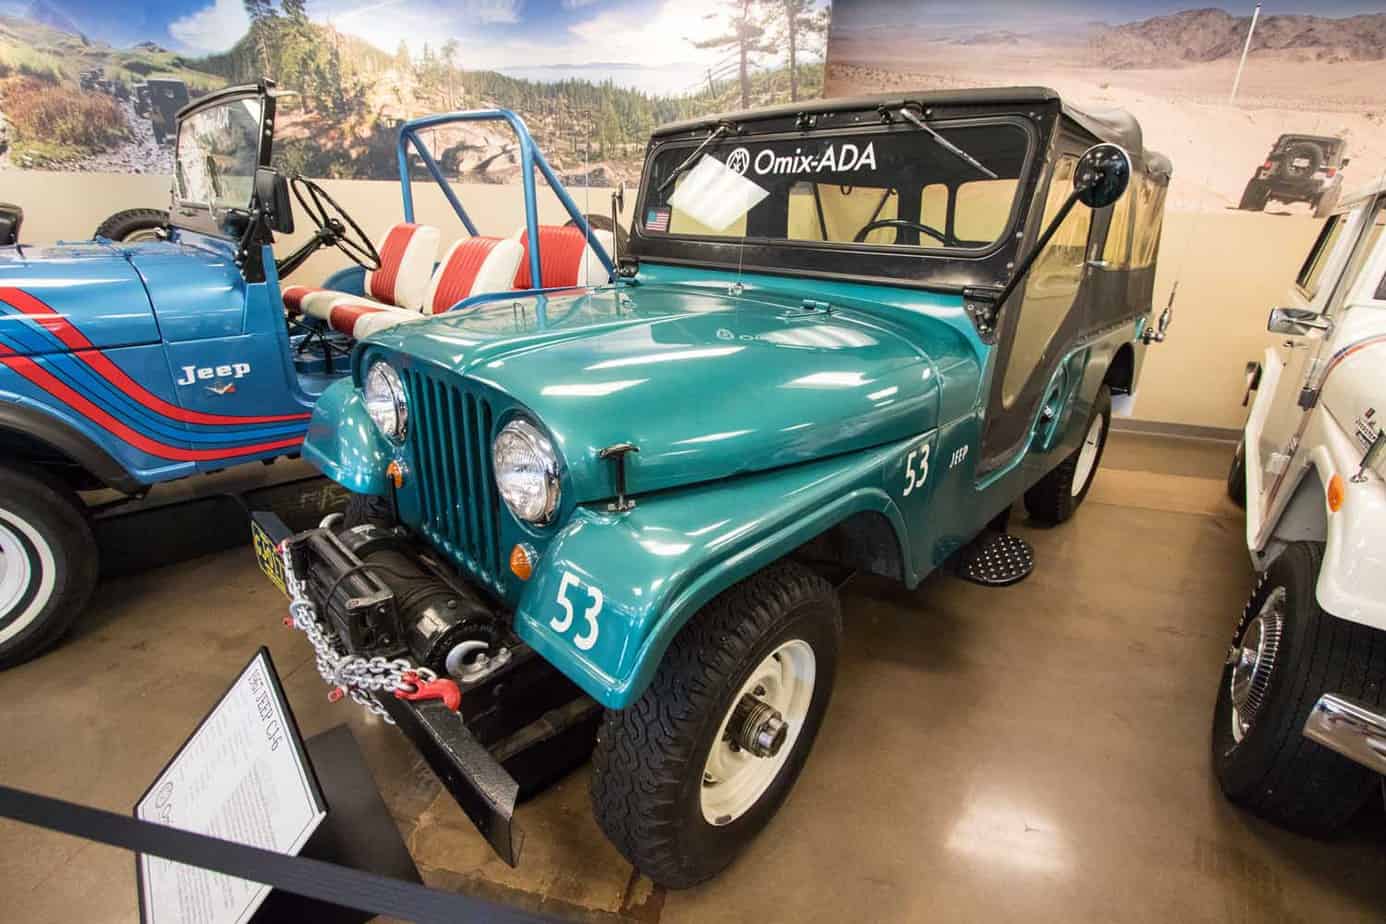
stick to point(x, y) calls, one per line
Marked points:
point(243, 776)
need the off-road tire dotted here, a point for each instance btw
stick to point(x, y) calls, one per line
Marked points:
point(648, 764)
point(1236, 475)
point(45, 523)
point(1274, 771)
point(1326, 201)
point(131, 221)
point(1052, 500)
point(1254, 197)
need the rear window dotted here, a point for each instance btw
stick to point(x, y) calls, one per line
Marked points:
point(882, 188)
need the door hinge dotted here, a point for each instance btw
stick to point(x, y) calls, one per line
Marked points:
point(983, 312)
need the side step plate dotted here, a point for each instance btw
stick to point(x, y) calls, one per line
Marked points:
point(994, 559)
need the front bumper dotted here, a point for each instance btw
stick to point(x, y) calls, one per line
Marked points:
point(519, 727)
point(1350, 728)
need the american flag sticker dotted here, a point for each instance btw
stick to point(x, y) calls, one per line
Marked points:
point(657, 220)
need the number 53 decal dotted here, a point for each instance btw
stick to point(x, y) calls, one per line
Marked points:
point(585, 639)
point(916, 468)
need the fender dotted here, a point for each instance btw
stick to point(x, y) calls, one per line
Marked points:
point(35, 425)
point(344, 444)
point(612, 590)
point(1352, 580)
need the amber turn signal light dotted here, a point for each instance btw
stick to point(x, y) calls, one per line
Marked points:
point(1337, 492)
point(522, 561)
point(395, 472)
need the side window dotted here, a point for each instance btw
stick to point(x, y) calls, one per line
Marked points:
point(1116, 251)
point(1149, 202)
point(1310, 274)
point(830, 212)
point(1362, 256)
point(1052, 285)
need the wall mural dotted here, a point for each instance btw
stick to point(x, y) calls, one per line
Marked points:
point(93, 85)
point(1307, 119)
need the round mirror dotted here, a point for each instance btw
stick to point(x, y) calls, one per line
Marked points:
point(1104, 172)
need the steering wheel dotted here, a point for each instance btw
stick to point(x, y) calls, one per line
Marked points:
point(335, 226)
point(898, 223)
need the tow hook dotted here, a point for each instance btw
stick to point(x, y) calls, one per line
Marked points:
point(757, 727)
point(446, 690)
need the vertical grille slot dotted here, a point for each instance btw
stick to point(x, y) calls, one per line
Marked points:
point(449, 432)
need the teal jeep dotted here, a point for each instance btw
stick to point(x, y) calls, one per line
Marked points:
point(842, 337)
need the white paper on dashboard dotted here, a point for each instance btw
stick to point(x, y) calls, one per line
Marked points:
point(715, 195)
point(240, 777)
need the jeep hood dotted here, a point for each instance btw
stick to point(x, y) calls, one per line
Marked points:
point(90, 285)
point(707, 385)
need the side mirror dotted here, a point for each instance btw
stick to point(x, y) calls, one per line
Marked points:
point(11, 217)
point(1346, 161)
point(1102, 175)
point(1156, 334)
point(272, 194)
point(1297, 322)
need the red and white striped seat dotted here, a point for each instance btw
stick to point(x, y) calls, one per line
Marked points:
point(406, 264)
point(565, 257)
point(472, 266)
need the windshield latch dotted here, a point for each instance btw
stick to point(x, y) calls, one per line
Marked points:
point(981, 308)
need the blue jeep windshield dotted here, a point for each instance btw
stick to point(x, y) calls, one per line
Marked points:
point(894, 187)
point(218, 149)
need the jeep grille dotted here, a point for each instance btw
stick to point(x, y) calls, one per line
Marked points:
point(450, 429)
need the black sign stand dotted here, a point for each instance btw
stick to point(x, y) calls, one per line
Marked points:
point(358, 832)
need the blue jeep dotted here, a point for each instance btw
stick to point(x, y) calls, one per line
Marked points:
point(127, 364)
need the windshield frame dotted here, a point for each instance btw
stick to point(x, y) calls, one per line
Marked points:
point(202, 217)
point(895, 264)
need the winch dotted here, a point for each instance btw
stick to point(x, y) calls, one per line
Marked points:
point(383, 600)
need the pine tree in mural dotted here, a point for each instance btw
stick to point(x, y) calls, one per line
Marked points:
point(800, 28)
point(746, 34)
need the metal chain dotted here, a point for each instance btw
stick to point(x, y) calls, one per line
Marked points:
point(359, 677)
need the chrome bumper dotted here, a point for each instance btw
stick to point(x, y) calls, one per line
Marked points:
point(1349, 728)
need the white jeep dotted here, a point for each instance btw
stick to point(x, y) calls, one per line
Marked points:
point(1299, 730)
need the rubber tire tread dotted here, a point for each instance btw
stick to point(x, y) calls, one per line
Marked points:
point(1275, 771)
point(1051, 500)
point(130, 220)
point(1236, 476)
point(646, 752)
point(58, 514)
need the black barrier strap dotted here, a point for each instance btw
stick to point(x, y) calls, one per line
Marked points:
point(300, 875)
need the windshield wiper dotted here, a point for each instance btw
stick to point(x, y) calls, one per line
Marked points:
point(721, 129)
point(945, 143)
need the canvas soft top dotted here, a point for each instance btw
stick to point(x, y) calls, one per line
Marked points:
point(1115, 125)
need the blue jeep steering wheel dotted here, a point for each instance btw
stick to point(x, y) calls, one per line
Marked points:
point(334, 223)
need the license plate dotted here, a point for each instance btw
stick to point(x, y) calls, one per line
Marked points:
point(1300, 162)
point(268, 557)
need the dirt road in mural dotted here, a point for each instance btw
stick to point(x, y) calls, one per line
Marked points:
point(1306, 76)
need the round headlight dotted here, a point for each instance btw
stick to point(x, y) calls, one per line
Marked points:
point(526, 471)
point(385, 401)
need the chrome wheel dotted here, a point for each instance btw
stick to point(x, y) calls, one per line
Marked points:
point(758, 732)
point(1253, 662)
point(143, 234)
point(1087, 456)
point(23, 592)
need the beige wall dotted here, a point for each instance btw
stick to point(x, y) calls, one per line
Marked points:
point(1227, 283)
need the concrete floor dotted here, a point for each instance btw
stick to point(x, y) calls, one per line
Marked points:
point(1037, 752)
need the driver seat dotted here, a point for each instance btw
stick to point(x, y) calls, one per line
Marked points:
point(406, 263)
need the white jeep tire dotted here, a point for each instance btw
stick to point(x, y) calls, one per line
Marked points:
point(48, 564)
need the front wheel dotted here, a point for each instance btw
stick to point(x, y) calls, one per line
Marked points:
point(1057, 495)
point(1236, 475)
point(1287, 653)
point(687, 775)
point(48, 564)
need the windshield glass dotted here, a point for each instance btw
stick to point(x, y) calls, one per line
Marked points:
point(896, 187)
point(218, 149)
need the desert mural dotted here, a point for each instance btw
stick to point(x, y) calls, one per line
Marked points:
point(1309, 109)
point(93, 85)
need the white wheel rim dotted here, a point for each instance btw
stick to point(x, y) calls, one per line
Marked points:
point(1087, 456)
point(17, 574)
point(734, 779)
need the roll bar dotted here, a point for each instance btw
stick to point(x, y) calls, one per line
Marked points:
point(530, 158)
